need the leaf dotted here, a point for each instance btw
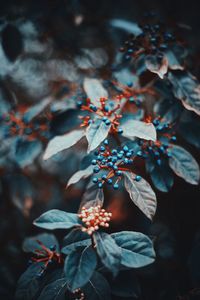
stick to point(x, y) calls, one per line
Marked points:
point(141, 194)
point(60, 143)
point(142, 130)
point(55, 290)
point(30, 244)
point(187, 89)
point(28, 284)
point(79, 267)
point(96, 132)
point(137, 249)
point(79, 175)
point(127, 26)
point(184, 165)
point(24, 152)
point(126, 284)
point(174, 61)
point(75, 239)
point(36, 109)
point(57, 219)
point(92, 197)
point(190, 129)
point(94, 90)
point(162, 177)
point(108, 251)
point(97, 288)
point(155, 66)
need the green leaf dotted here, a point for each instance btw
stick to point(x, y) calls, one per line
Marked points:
point(96, 132)
point(142, 130)
point(55, 290)
point(57, 219)
point(30, 244)
point(79, 267)
point(92, 196)
point(137, 249)
point(62, 142)
point(97, 288)
point(184, 165)
point(141, 194)
point(79, 175)
point(108, 251)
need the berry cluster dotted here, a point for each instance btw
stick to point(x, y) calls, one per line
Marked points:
point(161, 147)
point(17, 124)
point(47, 256)
point(108, 115)
point(154, 39)
point(93, 218)
point(111, 164)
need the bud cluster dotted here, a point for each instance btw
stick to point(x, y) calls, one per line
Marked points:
point(93, 218)
point(78, 294)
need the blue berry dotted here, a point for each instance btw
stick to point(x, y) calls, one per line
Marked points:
point(131, 99)
point(100, 157)
point(126, 161)
point(94, 162)
point(109, 181)
point(105, 142)
point(96, 153)
point(106, 108)
point(114, 159)
point(96, 169)
point(93, 107)
point(107, 122)
point(100, 185)
point(139, 153)
point(173, 138)
point(104, 177)
point(110, 164)
point(95, 179)
point(102, 149)
point(114, 151)
point(118, 173)
point(52, 247)
point(119, 155)
point(156, 122)
point(138, 178)
point(115, 167)
point(128, 154)
point(125, 148)
point(79, 104)
point(116, 186)
point(104, 119)
point(120, 131)
point(90, 121)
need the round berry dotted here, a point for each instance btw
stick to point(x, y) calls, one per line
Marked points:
point(106, 108)
point(107, 122)
point(116, 186)
point(96, 169)
point(52, 247)
point(100, 185)
point(128, 154)
point(105, 142)
point(102, 148)
point(104, 177)
point(95, 180)
point(109, 181)
point(125, 148)
point(120, 131)
point(79, 104)
point(138, 178)
point(118, 173)
point(94, 162)
point(173, 138)
point(93, 107)
point(115, 167)
point(114, 151)
point(110, 164)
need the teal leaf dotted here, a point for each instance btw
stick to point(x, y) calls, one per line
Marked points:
point(96, 132)
point(141, 194)
point(142, 130)
point(162, 177)
point(187, 89)
point(62, 142)
point(75, 239)
point(97, 288)
point(108, 251)
point(55, 290)
point(137, 249)
point(30, 244)
point(184, 165)
point(92, 196)
point(79, 267)
point(57, 219)
point(94, 90)
point(79, 175)
point(155, 66)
